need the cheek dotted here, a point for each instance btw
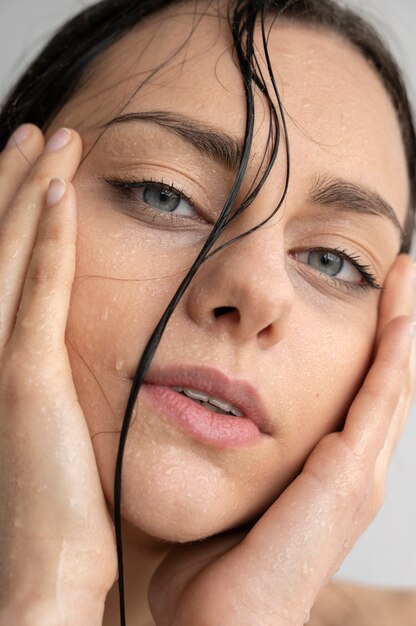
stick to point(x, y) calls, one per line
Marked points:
point(125, 277)
point(323, 372)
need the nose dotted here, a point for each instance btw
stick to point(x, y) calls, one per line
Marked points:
point(244, 291)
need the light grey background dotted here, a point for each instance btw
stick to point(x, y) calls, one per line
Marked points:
point(386, 554)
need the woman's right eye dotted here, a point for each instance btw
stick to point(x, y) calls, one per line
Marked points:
point(158, 196)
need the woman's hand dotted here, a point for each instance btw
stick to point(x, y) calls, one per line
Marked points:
point(57, 549)
point(272, 575)
point(349, 604)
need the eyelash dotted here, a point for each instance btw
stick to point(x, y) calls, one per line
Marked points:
point(126, 186)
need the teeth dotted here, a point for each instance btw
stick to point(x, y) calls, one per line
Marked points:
point(210, 407)
point(236, 412)
point(196, 395)
point(226, 407)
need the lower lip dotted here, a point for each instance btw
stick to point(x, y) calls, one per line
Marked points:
point(220, 431)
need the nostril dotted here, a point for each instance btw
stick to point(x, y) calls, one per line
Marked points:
point(223, 310)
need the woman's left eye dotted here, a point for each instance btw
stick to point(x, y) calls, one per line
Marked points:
point(338, 265)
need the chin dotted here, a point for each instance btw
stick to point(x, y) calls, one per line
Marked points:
point(174, 494)
point(176, 513)
point(173, 530)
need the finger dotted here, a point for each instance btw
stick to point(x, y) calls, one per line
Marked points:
point(16, 161)
point(375, 495)
point(397, 297)
point(19, 224)
point(371, 413)
point(400, 417)
point(42, 316)
point(403, 408)
point(395, 431)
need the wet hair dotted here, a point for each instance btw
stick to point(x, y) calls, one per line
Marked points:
point(62, 68)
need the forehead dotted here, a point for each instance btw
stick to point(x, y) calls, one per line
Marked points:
point(340, 119)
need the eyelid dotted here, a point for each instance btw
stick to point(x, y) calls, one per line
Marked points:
point(194, 183)
point(126, 186)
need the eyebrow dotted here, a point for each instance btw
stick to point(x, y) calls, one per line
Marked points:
point(209, 141)
point(350, 197)
point(228, 150)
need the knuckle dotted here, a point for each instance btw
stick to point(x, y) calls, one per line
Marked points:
point(25, 373)
point(358, 486)
point(15, 381)
point(39, 179)
point(52, 232)
point(354, 475)
point(371, 393)
point(47, 267)
point(40, 274)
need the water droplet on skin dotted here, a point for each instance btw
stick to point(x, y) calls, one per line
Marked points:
point(119, 365)
point(105, 313)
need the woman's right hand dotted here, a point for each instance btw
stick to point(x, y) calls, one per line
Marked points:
point(57, 548)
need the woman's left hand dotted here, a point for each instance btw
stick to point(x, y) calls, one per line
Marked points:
point(349, 604)
point(273, 574)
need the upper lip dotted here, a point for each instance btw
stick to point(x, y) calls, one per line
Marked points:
point(240, 393)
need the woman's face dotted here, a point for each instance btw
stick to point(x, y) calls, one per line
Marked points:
point(299, 326)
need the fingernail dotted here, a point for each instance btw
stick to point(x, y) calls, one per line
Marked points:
point(58, 140)
point(19, 136)
point(412, 329)
point(56, 191)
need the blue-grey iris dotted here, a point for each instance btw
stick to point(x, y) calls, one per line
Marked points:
point(326, 262)
point(160, 198)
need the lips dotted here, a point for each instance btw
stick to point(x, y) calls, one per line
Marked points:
point(214, 382)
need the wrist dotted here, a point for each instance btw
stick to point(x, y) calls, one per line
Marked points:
point(69, 608)
point(50, 590)
point(57, 577)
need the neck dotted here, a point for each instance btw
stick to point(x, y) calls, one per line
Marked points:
point(141, 556)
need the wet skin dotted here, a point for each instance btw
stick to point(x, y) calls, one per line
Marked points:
point(301, 337)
